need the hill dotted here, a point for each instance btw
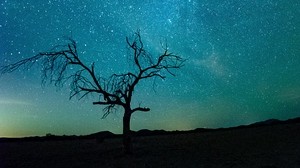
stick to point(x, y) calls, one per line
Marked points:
point(101, 136)
point(272, 144)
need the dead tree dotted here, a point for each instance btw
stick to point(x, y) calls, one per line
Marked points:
point(116, 90)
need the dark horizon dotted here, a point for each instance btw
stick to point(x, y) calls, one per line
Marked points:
point(108, 134)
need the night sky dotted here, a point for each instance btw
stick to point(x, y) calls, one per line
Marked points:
point(243, 62)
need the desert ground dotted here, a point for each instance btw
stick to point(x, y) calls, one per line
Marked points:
point(276, 146)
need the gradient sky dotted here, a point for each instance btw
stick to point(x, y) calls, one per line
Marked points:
point(243, 62)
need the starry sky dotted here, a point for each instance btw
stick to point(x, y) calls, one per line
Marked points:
point(243, 62)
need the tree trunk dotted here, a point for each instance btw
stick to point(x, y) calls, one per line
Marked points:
point(127, 132)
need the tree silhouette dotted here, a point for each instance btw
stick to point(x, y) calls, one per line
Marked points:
point(117, 90)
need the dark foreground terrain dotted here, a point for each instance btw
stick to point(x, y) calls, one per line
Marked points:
point(272, 146)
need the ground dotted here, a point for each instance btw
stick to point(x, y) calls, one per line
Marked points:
point(260, 147)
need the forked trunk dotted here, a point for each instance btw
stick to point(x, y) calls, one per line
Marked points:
point(127, 132)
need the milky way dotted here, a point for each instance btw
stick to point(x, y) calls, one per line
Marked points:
point(243, 62)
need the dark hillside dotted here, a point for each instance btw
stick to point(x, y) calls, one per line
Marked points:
point(273, 146)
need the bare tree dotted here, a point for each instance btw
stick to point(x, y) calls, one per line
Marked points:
point(117, 90)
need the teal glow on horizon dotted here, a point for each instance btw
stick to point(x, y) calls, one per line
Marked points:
point(243, 62)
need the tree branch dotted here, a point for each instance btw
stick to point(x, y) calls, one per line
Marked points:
point(144, 109)
point(117, 90)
